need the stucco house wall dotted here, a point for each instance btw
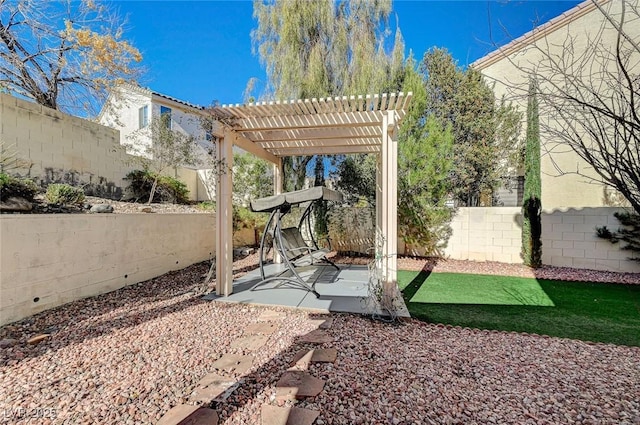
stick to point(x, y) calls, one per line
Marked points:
point(561, 186)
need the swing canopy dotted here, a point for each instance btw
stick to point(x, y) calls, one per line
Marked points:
point(283, 200)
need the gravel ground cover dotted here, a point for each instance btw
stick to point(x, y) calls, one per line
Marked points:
point(128, 356)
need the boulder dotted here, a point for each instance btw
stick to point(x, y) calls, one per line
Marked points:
point(101, 208)
point(16, 204)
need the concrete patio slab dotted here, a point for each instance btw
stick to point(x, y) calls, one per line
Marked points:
point(344, 290)
point(274, 415)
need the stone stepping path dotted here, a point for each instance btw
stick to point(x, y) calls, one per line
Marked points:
point(262, 328)
point(249, 342)
point(235, 364)
point(323, 323)
point(213, 387)
point(184, 414)
point(274, 415)
point(294, 384)
point(269, 315)
point(304, 358)
point(317, 336)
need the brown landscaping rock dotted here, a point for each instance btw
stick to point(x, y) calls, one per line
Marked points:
point(212, 387)
point(298, 384)
point(233, 363)
point(304, 358)
point(266, 328)
point(38, 339)
point(250, 342)
point(317, 336)
point(15, 204)
point(273, 415)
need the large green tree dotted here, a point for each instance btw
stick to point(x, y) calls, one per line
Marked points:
point(324, 48)
point(425, 161)
point(485, 131)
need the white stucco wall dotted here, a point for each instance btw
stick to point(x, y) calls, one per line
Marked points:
point(561, 186)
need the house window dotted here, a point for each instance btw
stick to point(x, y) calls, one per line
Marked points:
point(208, 136)
point(143, 116)
point(166, 112)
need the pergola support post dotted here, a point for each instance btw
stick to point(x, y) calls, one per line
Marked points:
point(387, 205)
point(224, 215)
point(278, 174)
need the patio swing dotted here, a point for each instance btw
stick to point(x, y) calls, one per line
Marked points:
point(294, 250)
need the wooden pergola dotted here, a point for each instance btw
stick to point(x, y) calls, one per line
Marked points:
point(341, 125)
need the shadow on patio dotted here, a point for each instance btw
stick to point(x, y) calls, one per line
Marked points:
point(345, 290)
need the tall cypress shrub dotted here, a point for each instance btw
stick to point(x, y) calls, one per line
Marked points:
point(532, 207)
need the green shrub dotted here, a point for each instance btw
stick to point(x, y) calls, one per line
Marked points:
point(64, 194)
point(244, 218)
point(16, 187)
point(169, 189)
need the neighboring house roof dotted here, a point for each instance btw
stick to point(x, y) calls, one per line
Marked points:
point(154, 95)
point(537, 33)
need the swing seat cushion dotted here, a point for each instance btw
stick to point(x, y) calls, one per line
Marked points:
point(297, 250)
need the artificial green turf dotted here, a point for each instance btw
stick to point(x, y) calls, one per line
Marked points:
point(599, 312)
point(460, 288)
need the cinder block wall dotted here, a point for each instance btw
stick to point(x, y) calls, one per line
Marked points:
point(569, 240)
point(53, 147)
point(51, 259)
point(486, 234)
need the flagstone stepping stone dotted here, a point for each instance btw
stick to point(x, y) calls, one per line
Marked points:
point(298, 384)
point(316, 336)
point(323, 323)
point(250, 342)
point(213, 387)
point(233, 363)
point(266, 328)
point(185, 414)
point(269, 315)
point(304, 358)
point(274, 415)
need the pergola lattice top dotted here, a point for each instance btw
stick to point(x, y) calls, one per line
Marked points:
point(315, 126)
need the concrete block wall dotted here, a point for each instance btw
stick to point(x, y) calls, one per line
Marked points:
point(486, 234)
point(55, 147)
point(569, 240)
point(50, 259)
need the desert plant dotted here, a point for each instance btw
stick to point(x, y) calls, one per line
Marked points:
point(64, 194)
point(244, 218)
point(168, 189)
point(532, 208)
point(16, 187)
point(630, 233)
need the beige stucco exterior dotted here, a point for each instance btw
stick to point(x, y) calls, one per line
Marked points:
point(561, 186)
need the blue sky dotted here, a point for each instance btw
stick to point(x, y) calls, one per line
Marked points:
point(200, 51)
